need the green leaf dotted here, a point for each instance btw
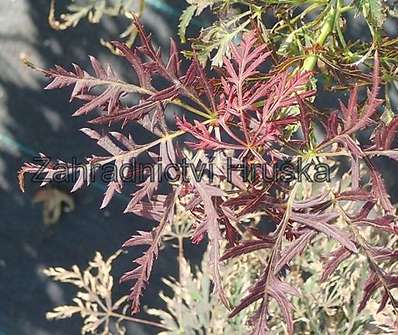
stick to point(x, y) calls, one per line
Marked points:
point(185, 19)
point(372, 10)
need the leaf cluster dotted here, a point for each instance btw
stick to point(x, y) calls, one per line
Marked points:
point(247, 112)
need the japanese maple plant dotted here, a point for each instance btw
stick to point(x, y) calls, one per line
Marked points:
point(258, 107)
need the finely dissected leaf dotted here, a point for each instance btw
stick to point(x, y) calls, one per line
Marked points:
point(385, 223)
point(355, 195)
point(83, 82)
point(185, 19)
point(372, 10)
point(278, 290)
point(152, 209)
point(350, 113)
point(240, 97)
point(140, 275)
point(385, 135)
point(241, 113)
point(294, 249)
point(94, 11)
point(356, 122)
point(320, 223)
point(334, 259)
point(314, 201)
point(213, 231)
point(245, 247)
point(373, 283)
point(93, 300)
point(260, 321)
point(383, 253)
point(380, 191)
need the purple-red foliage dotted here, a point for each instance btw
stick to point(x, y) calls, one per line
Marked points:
point(239, 112)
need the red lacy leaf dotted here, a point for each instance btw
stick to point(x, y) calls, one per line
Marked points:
point(245, 247)
point(379, 190)
point(373, 283)
point(294, 249)
point(319, 222)
point(140, 275)
point(211, 226)
point(335, 258)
